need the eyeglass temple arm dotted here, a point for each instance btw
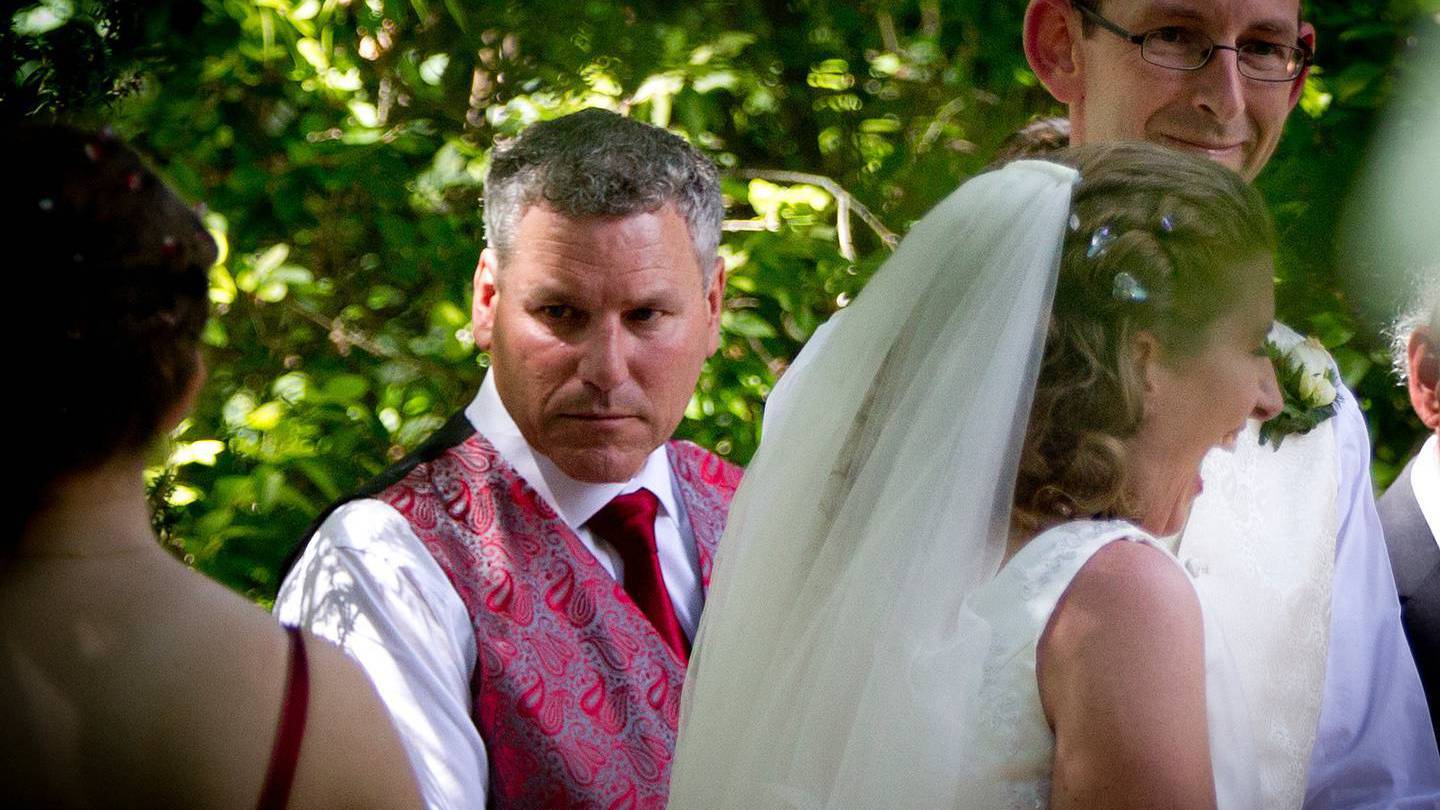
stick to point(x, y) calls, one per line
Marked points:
point(1094, 16)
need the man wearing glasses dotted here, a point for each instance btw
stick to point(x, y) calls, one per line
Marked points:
point(1285, 544)
point(1217, 78)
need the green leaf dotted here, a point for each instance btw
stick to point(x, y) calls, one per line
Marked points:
point(204, 452)
point(457, 13)
point(265, 417)
point(746, 324)
point(346, 388)
point(272, 258)
point(42, 18)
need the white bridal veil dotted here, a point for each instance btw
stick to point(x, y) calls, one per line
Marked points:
point(835, 665)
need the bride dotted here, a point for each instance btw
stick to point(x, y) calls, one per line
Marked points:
point(942, 583)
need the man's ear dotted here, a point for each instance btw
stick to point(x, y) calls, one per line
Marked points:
point(1423, 356)
point(715, 303)
point(487, 294)
point(1050, 37)
point(1307, 36)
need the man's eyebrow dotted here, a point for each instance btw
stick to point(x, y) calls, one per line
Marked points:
point(1174, 10)
point(548, 291)
point(1279, 28)
point(1276, 26)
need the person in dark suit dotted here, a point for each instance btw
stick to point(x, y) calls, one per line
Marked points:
point(1410, 509)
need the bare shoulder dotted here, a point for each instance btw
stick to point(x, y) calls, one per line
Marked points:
point(351, 755)
point(1121, 673)
point(1127, 589)
point(1130, 615)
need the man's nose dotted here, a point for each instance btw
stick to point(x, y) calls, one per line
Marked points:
point(1270, 401)
point(602, 361)
point(1220, 87)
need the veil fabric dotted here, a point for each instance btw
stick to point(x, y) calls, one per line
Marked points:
point(835, 664)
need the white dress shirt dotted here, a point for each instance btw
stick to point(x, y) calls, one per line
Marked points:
point(1374, 746)
point(367, 583)
point(1425, 483)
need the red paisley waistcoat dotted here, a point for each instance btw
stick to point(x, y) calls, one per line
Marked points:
point(575, 695)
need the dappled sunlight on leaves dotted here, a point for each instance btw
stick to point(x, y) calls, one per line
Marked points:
point(340, 148)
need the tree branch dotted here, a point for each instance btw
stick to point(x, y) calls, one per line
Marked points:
point(930, 18)
point(844, 200)
point(344, 338)
point(887, 30)
point(842, 228)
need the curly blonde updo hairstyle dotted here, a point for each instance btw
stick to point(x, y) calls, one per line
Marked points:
point(1159, 242)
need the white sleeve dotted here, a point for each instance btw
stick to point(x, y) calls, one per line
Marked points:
point(368, 584)
point(1374, 746)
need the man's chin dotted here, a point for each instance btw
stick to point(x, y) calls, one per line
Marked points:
point(599, 465)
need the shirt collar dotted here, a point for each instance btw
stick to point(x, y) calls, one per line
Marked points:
point(1425, 481)
point(575, 501)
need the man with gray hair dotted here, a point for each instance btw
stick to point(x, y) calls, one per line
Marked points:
point(523, 590)
point(1410, 509)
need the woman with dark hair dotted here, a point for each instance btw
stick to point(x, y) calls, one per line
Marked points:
point(127, 680)
point(942, 582)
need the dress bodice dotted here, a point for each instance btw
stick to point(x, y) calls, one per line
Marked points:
point(1013, 744)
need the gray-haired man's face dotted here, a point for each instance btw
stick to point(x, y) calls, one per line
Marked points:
point(597, 330)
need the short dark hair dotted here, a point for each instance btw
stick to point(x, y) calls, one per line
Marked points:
point(118, 293)
point(595, 163)
point(1038, 138)
point(1087, 25)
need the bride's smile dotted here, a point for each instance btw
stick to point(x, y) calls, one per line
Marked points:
point(1194, 403)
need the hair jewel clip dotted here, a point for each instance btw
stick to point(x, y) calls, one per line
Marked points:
point(1100, 241)
point(1127, 288)
point(134, 181)
point(1167, 223)
point(169, 247)
point(1074, 222)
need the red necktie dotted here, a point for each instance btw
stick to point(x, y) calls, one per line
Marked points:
point(628, 524)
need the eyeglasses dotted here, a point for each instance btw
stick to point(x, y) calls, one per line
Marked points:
point(1181, 48)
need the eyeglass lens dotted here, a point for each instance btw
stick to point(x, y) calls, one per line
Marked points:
point(1186, 49)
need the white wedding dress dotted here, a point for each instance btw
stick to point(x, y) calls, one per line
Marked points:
point(841, 661)
point(1012, 747)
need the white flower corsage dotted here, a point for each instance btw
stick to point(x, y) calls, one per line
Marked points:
point(1309, 385)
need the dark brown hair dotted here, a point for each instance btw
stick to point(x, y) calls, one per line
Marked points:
point(115, 270)
point(1038, 138)
point(1161, 242)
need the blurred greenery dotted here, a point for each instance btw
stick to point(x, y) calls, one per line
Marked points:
point(339, 146)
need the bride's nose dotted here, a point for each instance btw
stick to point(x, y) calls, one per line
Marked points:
point(1269, 401)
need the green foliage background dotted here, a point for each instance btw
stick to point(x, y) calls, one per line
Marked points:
point(339, 147)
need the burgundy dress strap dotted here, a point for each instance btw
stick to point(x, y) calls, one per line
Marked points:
point(280, 776)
